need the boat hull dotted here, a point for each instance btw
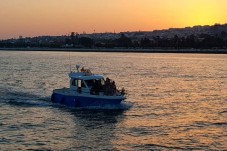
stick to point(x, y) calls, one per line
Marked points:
point(84, 101)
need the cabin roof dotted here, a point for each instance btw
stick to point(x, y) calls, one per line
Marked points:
point(84, 76)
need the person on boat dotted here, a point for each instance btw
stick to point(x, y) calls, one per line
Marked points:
point(107, 87)
point(82, 69)
point(123, 91)
point(96, 87)
point(114, 85)
point(110, 87)
point(107, 82)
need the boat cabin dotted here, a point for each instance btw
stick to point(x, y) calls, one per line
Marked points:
point(87, 83)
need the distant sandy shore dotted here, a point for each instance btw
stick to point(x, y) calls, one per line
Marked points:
point(131, 50)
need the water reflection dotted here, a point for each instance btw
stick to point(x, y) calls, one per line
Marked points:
point(94, 128)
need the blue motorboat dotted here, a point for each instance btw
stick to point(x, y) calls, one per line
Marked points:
point(88, 89)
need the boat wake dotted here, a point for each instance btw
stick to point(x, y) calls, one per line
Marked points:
point(15, 97)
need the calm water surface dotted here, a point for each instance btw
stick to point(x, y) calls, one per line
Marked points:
point(175, 102)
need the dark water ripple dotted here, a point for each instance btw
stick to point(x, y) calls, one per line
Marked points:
point(176, 102)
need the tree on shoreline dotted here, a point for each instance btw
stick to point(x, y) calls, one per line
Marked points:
point(199, 37)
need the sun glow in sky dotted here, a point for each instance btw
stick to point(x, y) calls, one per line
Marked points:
point(60, 17)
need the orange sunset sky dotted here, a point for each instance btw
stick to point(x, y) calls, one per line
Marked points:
point(60, 17)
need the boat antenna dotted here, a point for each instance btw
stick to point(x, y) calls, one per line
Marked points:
point(78, 67)
point(70, 68)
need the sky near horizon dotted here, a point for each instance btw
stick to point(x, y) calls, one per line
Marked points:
point(60, 17)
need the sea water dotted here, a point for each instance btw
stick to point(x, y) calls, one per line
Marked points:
point(175, 102)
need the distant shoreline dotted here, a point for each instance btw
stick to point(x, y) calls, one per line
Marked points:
point(123, 50)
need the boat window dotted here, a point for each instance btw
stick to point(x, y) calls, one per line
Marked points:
point(80, 83)
point(102, 82)
point(89, 83)
point(98, 84)
point(74, 82)
point(83, 84)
